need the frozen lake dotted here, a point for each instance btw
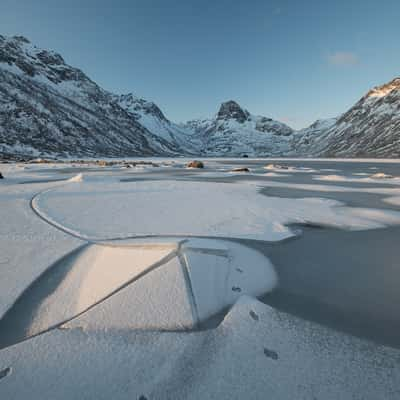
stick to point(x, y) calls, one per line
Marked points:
point(177, 274)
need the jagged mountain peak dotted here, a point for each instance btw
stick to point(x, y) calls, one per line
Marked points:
point(236, 132)
point(19, 52)
point(16, 38)
point(137, 105)
point(231, 110)
point(385, 89)
point(371, 128)
point(48, 107)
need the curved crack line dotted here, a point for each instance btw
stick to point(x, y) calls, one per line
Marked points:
point(49, 221)
point(89, 239)
point(295, 234)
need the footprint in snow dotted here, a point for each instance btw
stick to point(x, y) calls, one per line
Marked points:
point(5, 372)
point(253, 315)
point(271, 353)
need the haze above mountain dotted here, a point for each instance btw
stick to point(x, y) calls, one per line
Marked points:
point(48, 108)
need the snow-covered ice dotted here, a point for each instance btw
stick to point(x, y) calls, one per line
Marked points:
point(201, 280)
point(366, 178)
point(76, 178)
point(193, 208)
point(28, 246)
point(115, 289)
point(393, 200)
point(257, 352)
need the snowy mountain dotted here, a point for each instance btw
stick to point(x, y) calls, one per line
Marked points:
point(149, 115)
point(303, 140)
point(371, 128)
point(236, 132)
point(48, 107)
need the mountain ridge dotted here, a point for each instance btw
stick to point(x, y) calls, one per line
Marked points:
point(48, 107)
point(370, 128)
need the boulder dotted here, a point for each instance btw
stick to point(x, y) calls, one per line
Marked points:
point(195, 164)
point(241, 169)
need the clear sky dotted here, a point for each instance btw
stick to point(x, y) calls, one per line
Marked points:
point(294, 61)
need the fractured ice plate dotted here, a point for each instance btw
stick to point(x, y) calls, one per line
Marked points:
point(161, 286)
point(78, 281)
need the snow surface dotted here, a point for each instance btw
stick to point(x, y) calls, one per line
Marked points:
point(93, 275)
point(76, 178)
point(379, 177)
point(326, 188)
point(28, 245)
point(393, 200)
point(193, 208)
point(130, 285)
point(290, 169)
point(201, 280)
point(256, 353)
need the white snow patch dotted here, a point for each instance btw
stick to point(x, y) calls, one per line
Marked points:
point(393, 200)
point(76, 178)
point(158, 300)
point(109, 210)
point(205, 277)
point(220, 278)
point(279, 168)
point(379, 177)
point(27, 245)
point(274, 354)
point(95, 274)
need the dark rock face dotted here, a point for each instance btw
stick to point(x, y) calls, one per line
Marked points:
point(232, 110)
point(1, 176)
point(264, 124)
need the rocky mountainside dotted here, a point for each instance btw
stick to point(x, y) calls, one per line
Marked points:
point(149, 115)
point(48, 107)
point(303, 141)
point(371, 128)
point(236, 132)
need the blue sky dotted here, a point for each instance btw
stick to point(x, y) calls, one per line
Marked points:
point(294, 61)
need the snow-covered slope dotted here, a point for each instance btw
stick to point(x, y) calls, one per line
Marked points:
point(371, 128)
point(49, 107)
point(303, 140)
point(149, 115)
point(236, 132)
